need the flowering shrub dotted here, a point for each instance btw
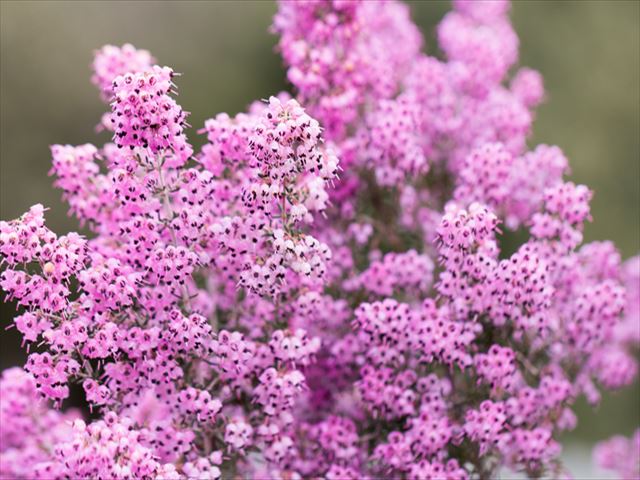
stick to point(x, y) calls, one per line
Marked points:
point(323, 290)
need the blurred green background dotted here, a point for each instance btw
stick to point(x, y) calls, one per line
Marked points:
point(588, 52)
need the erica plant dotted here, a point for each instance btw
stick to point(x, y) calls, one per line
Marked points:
point(322, 291)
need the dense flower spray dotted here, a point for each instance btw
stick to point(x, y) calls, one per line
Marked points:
point(322, 291)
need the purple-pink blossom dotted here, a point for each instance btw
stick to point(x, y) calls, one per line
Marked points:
point(323, 290)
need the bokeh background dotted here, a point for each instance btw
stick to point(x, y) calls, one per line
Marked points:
point(588, 52)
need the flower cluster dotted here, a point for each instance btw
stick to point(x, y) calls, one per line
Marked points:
point(145, 116)
point(324, 290)
point(112, 61)
point(31, 430)
point(620, 454)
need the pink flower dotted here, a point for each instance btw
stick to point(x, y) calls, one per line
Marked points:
point(324, 289)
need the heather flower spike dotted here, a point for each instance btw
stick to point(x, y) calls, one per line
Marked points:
point(321, 291)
